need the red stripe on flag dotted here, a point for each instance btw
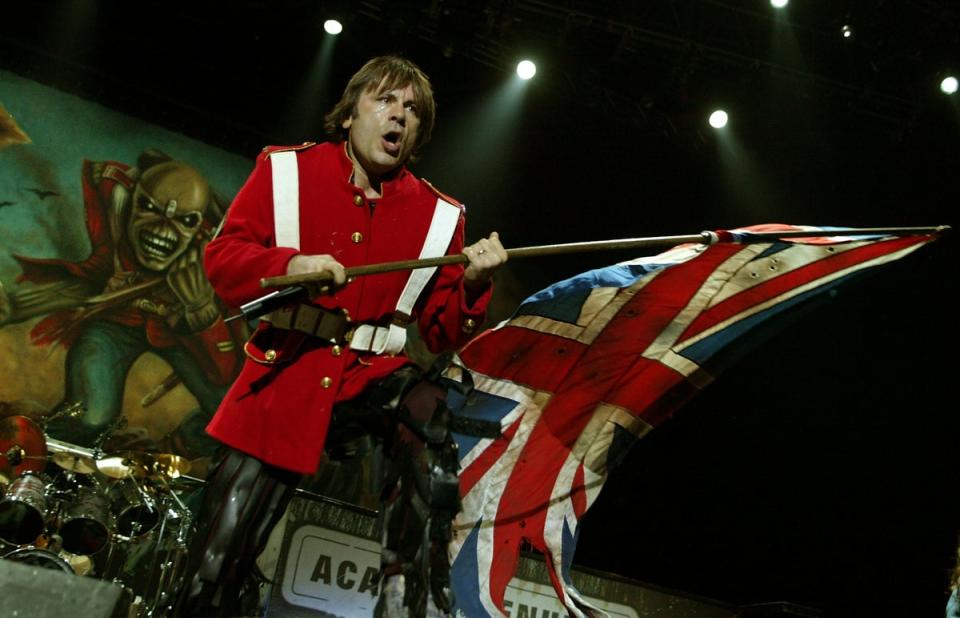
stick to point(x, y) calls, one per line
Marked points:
point(523, 356)
point(472, 474)
point(794, 279)
point(522, 509)
point(652, 391)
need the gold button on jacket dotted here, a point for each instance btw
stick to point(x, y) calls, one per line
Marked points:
point(326, 382)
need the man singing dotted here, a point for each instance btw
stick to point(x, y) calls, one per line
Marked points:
point(333, 369)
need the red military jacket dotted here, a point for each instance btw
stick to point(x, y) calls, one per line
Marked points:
point(279, 407)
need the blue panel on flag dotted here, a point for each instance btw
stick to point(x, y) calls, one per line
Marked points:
point(465, 577)
point(562, 301)
point(569, 546)
point(565, 307)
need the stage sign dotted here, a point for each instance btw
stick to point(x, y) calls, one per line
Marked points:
point(338, 574)
point(331, 571)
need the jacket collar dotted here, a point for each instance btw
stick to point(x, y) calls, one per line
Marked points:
point(390, 186)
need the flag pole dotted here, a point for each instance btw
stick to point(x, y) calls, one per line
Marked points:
point(297, 293)
point(650, 242)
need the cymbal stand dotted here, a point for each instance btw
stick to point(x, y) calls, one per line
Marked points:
point(168, 566)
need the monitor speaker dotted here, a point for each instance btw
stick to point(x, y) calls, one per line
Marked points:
point(36, 591)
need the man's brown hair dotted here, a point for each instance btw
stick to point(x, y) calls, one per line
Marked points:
point(385, 73)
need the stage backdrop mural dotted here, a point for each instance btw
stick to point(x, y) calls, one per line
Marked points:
point(110, 335)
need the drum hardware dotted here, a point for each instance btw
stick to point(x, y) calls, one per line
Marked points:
point(15, 455)
point(59, 446)
point(113, 516)
point(152, 549)
point(74, 409)
point(184, 511)
point(165, 568)
point(23, 447)
point(51, 541)
point(71, 457)
point(134, 507)
point(39, 557)
point(120, 422)
point(152, 565)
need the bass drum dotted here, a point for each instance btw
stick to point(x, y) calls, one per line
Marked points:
point(39, 557)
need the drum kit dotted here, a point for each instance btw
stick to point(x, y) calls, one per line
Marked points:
point(113, 516)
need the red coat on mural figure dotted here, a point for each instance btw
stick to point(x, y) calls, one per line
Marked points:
point(278, 410)
point(112, 266)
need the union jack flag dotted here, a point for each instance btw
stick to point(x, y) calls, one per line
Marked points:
point(589, 365)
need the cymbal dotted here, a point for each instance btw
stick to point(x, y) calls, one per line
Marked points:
point(124, 465)
point(72, 462)
point(22, 446)
point(170, 465)
point(142, 465)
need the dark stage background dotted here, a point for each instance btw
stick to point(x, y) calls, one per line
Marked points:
point(822, 470)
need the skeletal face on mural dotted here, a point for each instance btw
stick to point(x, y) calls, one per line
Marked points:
point(167, 210)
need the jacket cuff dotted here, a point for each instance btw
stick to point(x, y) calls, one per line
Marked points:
point(473, 316)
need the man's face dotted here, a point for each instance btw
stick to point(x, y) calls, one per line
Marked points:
point(383, 131)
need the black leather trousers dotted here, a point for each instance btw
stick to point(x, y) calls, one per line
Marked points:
point(407, 419)
point(243, 500)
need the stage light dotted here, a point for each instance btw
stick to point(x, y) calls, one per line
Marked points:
point(526, 69)
point(778, 4)
point(846, 31)
point(718, 119)
point(332, 26)
point(948, 85)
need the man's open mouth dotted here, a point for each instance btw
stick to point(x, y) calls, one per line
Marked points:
point(391, 142)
